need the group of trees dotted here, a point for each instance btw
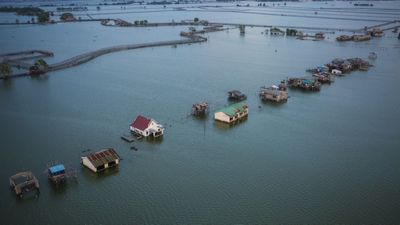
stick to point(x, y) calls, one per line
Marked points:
point(5, 70)
point(141, 22)
point(67, 16)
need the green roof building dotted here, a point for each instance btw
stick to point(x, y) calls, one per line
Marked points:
point(232, 113)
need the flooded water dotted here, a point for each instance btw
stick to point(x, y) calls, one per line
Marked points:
point(330, 157)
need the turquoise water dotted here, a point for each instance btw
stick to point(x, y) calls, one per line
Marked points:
point(322, 158)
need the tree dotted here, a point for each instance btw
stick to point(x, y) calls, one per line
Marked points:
point(196, 20)
point(17, 21)
point(41, 64)
point(43, 17)
point(5, 70)
point(67, 17)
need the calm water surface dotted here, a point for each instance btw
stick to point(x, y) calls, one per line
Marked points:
point(323, 158)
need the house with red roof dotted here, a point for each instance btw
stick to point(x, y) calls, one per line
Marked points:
point(101, 160)
point(146, 127)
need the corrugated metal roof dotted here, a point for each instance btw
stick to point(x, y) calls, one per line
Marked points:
point(141, 123)
point(57, 168)
point(234, 108)
point(103, 157)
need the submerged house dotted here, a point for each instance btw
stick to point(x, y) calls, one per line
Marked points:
point(101, 160)
point(57, 173)
point(232, 113)
point(273, 94)
point(24, 182)
point(146, 127)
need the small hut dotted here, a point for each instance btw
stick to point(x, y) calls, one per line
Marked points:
point(101, 160)
point(24, 182)
point(200, 109)
point(236, 95)
point(57, 173)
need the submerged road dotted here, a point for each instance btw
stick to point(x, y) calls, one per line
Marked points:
point(83, 58)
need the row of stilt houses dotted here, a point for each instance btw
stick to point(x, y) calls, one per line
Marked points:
point(104, 159)
point(279, 93)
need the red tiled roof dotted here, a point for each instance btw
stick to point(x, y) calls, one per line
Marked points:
point(102, 157)
point(141, 123)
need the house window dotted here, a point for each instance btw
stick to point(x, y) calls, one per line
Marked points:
point(101, 167)
point(111, 164)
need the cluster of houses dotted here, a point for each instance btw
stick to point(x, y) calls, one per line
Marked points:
point(25, 182)
point(376, 32)
point(327, 73)
point(274, 31)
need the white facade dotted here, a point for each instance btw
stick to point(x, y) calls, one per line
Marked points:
point(154, 129)
point(221, 116)
point(334, 71)
point(86, 162)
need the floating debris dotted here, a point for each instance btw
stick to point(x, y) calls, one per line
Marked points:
point(24, 182)
point(128, 138)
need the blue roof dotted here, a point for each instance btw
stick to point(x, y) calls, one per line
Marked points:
point(57, 168)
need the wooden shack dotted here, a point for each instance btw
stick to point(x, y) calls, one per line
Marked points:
point(273, 94)
point(57, 173)
point(236, 95)
point(101, 160)
point(24, 182)
point(200, 109)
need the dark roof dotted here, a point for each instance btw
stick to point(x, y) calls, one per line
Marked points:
point(141, 123)
point(102, 157)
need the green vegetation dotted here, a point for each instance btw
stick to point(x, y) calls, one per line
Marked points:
point(141, 22)
point(43, 17)
point(291, 32)
point(5, 70)
point(23, 11)
point(196, 19)
point(41, 64)
point(67, 17)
